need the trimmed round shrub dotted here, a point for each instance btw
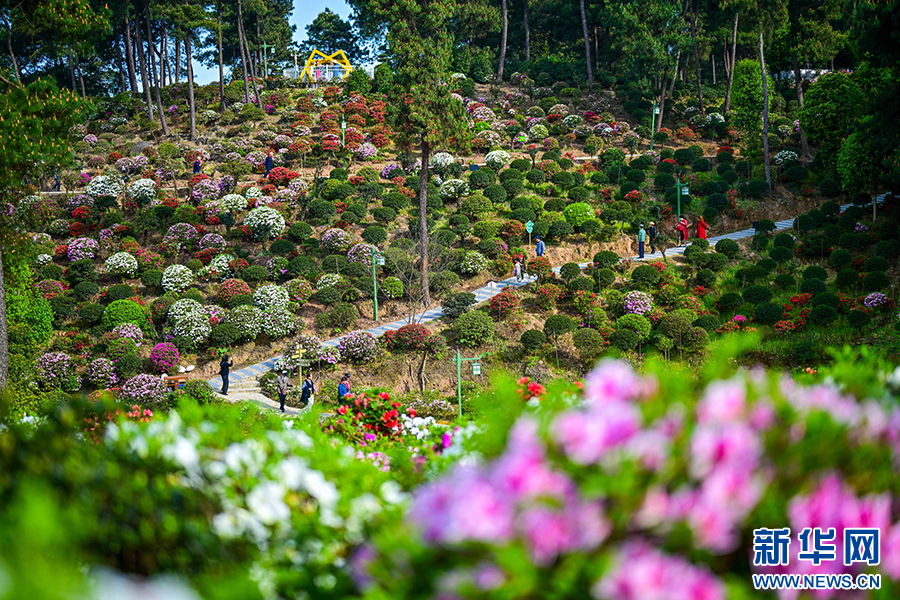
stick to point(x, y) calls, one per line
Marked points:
point(646, 275)
point(120, 291)
point(812, 286)
point(533, 339)
point(152, 279)
point(625, 340)
point(124, 311)
point(443, 282)
point(875, 264)
point(756, 294)
point(780, 254)
point(768, 313)
point(570, 271)
point(822, 315)
point(590, 344)
point(784, 240)
point(708, 322)
point(254, 273)
point(224, 335)
point(785, 281)
point(473, 329)
point(358, 347)
point(86, 290)
point(875, 281)
point(840, 258)
point(706, 278)
point(827, 299)
point(557, 325)
point(374, 234)
point(606, 259)
point(847, 278)
point(281, 247)
point(728, 247)
point(496, 193)
point(581, 284)
point(165, 357)
point(730, 301)
point(815, 272)
point(759, 242)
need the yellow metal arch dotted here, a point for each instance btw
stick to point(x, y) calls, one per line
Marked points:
point(338, 59)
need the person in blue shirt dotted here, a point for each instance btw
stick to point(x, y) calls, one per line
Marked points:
point(197, 165)
point(344, 388)
point(539, 247)
point(642, 239)
point(270, 163)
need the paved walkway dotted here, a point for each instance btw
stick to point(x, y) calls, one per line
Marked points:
point(484, 294)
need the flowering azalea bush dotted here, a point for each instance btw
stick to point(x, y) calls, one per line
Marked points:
point(165, 357)
point(265, 223)
point(101, 373)
point(505, 302)
point(473, 262)
point(299, 290)
point(177, 278)
point(638, 303)
point(703, 477)
point(83, 247)
point(336, 240)
point(358, 347)
point(121, 263)
point(57, 370)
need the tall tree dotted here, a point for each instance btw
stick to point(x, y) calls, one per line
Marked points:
point(730, 59)
point(159, 107)
point(329, 33)
point(504, 30)
point(587, 46)
point(34, 120)
point(527, 32)
point(145, 80)
point(765, 113)
point(422, 109)
point(693, 13)
point(220, 55)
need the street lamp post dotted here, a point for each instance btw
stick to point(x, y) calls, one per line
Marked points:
point(679, 191)
point(266, 48)
point(377, 259)
point(653, 122)
point(476, 370)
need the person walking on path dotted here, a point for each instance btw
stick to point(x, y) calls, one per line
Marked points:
point(197, 165)
point(307, 390)
point(539, 247)
point(642, 238)
point(344, 388)
point(682, 231)
point(270, 163)
point(651, 234)
point(517, 269)
point(283, 383)
point(701, 228)
point(224, 365)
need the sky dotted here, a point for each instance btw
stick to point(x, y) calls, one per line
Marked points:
point(304, 13)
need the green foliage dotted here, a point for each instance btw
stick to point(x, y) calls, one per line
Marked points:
point(457, 304)
point(533, 340)
point(577, 213)
point(812, 286)
point(728, 247)
point(767, 313)
point(473, 329)
point(822, 315)
point(747, 96)
point(830, 106)
point(589, 343)
point(557, 325)
point(124, 311)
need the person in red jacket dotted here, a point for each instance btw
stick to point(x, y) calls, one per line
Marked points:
point(701, 228)
point(682, 231)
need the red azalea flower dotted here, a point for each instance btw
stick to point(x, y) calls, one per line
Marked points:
point(342, 410)
point(384, 396)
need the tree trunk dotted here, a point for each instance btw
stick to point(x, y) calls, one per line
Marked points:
point(123, 85)
point(712, 59)
point(162, 113)
point(242, 45)
point(254, 70)
point(80, 77)
point(503, 32)
point(143, 61)
point(190, 84)
point(165, 68)
point(696, 51)
point(423, 221)
point(674, 76)
point(4, 340)
point(662, 101)
point(798, 80)
point(587, 48)
point(177, 60)
point(72, 74)
point(596, 49)
point(527, 35)
point(260, 59)
point(765, 113)
point(730, 70)
point(129, 59)
point(12, 55)
point(221, 66)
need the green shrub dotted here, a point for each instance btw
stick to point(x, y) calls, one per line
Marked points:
point(87, 289)
point(755, 294)
point(90, 313)
point(457, 304)
point(827, 299)
point(760, 242)
point(589, 343)
point(570, 271)
point(299, 232)
point(625, 340)
point(822, 315)
point(701, 165)
point(829, 188)
point(858, 319)
point(889, 249)
point(328, 295)
point(606, 259)
point(281, 247)
point(784, 240)
point(780, 254)
point(124, 311)
point(730, 301)
point(812, 286)
point(52, 271)
point(128, 366)
point(443, 282)
point(342, 316)
point(785, 281)
point(533, 339)
point(152, 279)
point(706, 278)
point(840, 258)
point(254, 273)
point(224, 335)
point(728, 247)
point(473, 329)
point(581, 284)
point(604, 277)
point(647, 275)
point(768, 313)
point(875, 264)
point(374, 234)
point(120, 291)
point(815, 272)
point(557, 325)
point(875, 281)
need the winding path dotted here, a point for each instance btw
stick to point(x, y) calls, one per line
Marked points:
point(243, 381)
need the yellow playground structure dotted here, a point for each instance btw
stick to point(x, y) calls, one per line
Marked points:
point(321, 67)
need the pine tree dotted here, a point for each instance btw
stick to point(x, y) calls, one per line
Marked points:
point(421, 107)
